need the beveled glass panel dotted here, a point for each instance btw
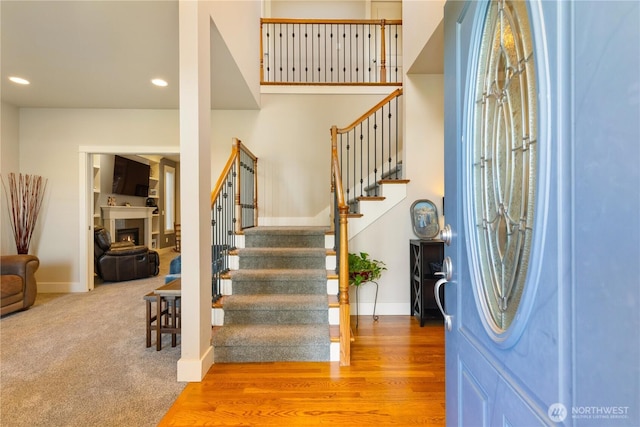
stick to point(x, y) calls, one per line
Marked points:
point(504, 159)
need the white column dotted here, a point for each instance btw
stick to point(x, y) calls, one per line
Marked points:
point(195, 188)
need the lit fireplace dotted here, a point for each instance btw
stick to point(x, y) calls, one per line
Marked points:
point(128, 235)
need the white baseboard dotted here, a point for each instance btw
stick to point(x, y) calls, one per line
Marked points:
point(334, 352)
point(382, 309)
point(194, 370)
point(60, 287)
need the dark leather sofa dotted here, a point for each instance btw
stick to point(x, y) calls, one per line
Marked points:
point(17, 282)
point(118, 261)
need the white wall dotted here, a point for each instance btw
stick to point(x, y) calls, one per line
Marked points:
point(238, 24)
point(9, 162)
point(290, 135)
point(49, 143)
point(317, 9)
point(388, 238)
point(106, 183)
point(50, 140)
point(419, 20)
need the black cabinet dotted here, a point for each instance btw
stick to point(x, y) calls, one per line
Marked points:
point(426, 259)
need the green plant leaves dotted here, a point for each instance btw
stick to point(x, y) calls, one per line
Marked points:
point(364, 269)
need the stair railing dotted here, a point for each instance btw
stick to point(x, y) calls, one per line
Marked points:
point(340, 211)
point(234, 207)
point(360, 148)
point(330, 52)
point(370, 150)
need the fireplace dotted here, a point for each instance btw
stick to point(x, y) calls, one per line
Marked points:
point(128, 235)
point(113, 214)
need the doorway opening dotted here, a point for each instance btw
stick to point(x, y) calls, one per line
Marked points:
point(89, 216)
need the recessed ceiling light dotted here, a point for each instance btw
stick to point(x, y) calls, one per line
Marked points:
point(19, 80)
point(159, 82)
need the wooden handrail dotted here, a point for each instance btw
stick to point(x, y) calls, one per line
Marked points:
point(335, 166)
point(235, 151)
point(329, 84)
point(329, 21)
point(234, 160)
point(372, 110)
point(237, 146)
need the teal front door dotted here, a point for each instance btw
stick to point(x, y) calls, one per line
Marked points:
point(542, 199)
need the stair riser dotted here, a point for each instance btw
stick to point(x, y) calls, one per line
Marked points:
point(273, 317)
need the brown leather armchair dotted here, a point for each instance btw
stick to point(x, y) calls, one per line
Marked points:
point(17, 282)
point(118, 261)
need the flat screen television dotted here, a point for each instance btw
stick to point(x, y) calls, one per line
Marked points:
point(130, 178)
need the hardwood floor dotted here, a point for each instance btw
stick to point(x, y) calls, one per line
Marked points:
point(396, 377)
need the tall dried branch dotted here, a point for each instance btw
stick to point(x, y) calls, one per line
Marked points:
point(24, 199)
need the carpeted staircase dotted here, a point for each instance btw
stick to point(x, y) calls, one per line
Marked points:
point(278, 310)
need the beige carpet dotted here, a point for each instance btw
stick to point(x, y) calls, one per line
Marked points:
point(81, 360)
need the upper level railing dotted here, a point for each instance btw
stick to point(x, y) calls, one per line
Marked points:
point(370, 149)
point(330, 52)
point(234, 207)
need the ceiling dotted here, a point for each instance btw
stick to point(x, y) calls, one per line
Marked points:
point(103, 54)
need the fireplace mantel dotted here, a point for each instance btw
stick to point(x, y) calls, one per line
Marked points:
point(111, 213)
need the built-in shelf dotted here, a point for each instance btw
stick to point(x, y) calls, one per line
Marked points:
point(96, 189)
point(154, 193)
point(155, 227)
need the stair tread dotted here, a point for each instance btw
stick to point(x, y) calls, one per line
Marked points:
point(394, 181)
point(283, 302)
point(370, 198)
point(272, 335)
point(279, 251)
point(284, 230)
point(281, 274)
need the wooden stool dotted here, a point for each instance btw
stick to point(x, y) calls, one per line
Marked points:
point(165, 319)
point(155, 318)
point(172, 319)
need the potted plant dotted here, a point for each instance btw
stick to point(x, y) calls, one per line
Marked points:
point(364, 269)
